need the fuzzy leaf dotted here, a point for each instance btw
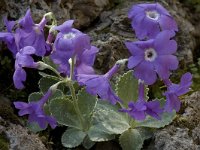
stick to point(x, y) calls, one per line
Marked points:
point(145, 133)
point(63, 110)
point(72, 138)
point(34, 97)
point(58, 93)
point(87, 143)
point(99, 133)
point(110, 118)
point(86, 103)
point(150, 122)
point(46, 82)
point(34, 127)
point(127, 87)
point(43, 74)
point(49, 62)
point(131, 140)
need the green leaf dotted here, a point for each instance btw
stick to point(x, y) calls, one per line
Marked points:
point(145, 133)
point(35, 96)
point(49, 62)
point(87, 143)
point(47, 75)
point(99, 133)
point(57, 94)
point(34, 127)
point(110, 118)
point(127, 87)
point(46, 82)
point(63, 110)
point(150, 122)
point(72, 138)
point(86, 103)
point(131, 140)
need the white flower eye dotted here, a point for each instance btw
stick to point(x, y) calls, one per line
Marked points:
point(153, 15)
point(69, 35)
point(150, 54)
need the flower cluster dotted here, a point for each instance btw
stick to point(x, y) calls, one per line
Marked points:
point(73, 45)
point(152, 57)
point(67, 47)
point(24, 38)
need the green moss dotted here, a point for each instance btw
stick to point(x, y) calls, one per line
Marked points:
point(4, 143)
point(6, 112)
point(193, 4)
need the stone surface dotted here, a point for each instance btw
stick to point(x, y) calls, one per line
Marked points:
point(19, 138)
point(174, 138)
point(83, 11)
point(12, 134)
point(184, 133)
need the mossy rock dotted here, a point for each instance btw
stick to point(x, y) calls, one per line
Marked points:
point(4, 142)
point(6, 111)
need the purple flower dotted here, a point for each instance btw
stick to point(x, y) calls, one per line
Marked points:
point(69, 43)
point(30, 34)
point(176, 90)
point(85, 61)
point(9, 37)
point(140, 108)
point(23, 59)
point(149, 19)
point(36, 112)
point(27, 34)
point(100, 85)
point(153, 56)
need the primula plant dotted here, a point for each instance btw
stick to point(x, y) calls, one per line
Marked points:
point(73, 95)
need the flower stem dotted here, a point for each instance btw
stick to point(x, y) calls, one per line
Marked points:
point(72, 64)
point(75, 104)
point(73, 93)
point(41, 66)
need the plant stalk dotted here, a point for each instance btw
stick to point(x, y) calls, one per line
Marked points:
point(73, 93)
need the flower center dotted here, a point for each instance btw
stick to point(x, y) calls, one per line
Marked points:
point(153, 15)
point(69, 35)
point(150, 54)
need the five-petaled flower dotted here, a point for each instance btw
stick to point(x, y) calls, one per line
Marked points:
point(149, 19)
point(153, 57)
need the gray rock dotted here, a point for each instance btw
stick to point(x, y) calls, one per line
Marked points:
point(184, 133)
point(174, 138)
point(20, 138)
point(82, 11)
